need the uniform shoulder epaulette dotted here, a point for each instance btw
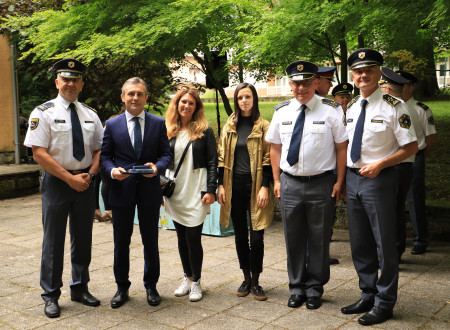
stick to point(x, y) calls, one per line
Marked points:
point(282, 104)
point(423, 106)
point(85, 105)
point(391, 100)
point(329, 102)
point(45, 106)
point(353, 101)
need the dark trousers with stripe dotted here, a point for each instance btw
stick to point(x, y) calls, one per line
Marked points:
point(60, 202)
point(371, 204)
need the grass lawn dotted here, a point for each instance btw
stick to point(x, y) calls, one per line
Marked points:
point(437, 164)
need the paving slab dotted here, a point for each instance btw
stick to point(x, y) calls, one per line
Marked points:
point(423, 296)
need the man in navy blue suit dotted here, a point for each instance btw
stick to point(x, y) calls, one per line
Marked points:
point(135, 138)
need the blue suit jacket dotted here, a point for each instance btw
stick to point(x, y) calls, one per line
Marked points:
point(118, 151)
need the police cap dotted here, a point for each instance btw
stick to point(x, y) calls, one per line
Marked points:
point(301, 70)
point(364, 57)
point(412, 79)
point(326, 72)
point(70, 68)
point(342, 89)
point(388, 76)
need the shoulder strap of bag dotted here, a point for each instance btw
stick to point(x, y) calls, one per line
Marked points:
point(182, 158)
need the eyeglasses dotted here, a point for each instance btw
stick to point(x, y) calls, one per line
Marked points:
point(304, 83)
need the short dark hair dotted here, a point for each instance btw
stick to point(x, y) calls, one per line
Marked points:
point(255, 107)
point(134, 81)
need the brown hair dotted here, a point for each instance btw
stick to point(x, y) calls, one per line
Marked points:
point(198, 123)
point(255, 107)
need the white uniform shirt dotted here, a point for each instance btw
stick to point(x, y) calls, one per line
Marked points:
point(383, 132)
point(425, 117)
point(50, 127)
point(323, 128)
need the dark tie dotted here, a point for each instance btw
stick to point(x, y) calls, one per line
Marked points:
point(77, 134)
point(137, 136)
point(296, 139)
point(355, 153)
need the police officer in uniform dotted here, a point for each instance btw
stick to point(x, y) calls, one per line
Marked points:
point(324, 79)
point(66, 137)
point(392, 83)
point(416, 194)
point(380, 136)
point(342, 94)
point(308, 139)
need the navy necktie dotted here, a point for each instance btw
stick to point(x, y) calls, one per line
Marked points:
point(137, 136)
point(355, 153)
point(296, 139)
point(77, 134)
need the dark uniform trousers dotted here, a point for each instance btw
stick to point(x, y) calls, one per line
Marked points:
point(59, 201)
point(416, 201)
point(404, 172)
point(371, 206)
point(307, 210)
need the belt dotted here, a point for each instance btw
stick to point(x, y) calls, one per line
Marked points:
point(355, 170)
point(74, 172)
point(308, 178)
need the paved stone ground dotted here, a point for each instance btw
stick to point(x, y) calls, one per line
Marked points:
point(423, 300)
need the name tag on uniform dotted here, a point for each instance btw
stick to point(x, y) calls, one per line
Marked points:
point(89, 121)
point(376, 121)
point(60, 121)
point(286, 123)
point(319, 122)
point(349, 120)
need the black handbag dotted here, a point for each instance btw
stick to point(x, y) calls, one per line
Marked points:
point(168, 185)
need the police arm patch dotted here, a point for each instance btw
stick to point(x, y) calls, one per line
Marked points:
point(391, 100)
point(405, 121)
point(34, 122)
point(330, 103)
point(431, 120)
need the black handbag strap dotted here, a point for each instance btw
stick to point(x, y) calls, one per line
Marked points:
point(182, 158)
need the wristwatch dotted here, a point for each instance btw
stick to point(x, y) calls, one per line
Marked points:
point(92, 176)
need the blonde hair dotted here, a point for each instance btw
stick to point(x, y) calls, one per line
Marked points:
point(198, 123)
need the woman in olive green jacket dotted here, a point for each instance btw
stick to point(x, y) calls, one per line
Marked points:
point(244, 185)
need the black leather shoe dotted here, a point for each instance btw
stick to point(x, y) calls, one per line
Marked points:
point(51, 308)
point(375, 316)
point(153, 297)
point(361, 306)
point(419, 250)
point(313, 302)
point(296, 300)
point(333, 261)
point(84, 297)
point(119, 298)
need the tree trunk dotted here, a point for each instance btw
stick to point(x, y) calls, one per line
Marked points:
point(427, 85)
point(344, 54)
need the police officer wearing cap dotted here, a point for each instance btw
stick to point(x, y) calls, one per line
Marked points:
point(324, 79)
point(380, 136)
point(392, 83)
point(416, 194)
point(307, 139)
point(66, 138)
point(342, 94)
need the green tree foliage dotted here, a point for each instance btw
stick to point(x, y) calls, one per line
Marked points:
point(159, 31)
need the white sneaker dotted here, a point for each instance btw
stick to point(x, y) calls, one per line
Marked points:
point(183, 289)
point(196, 291)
